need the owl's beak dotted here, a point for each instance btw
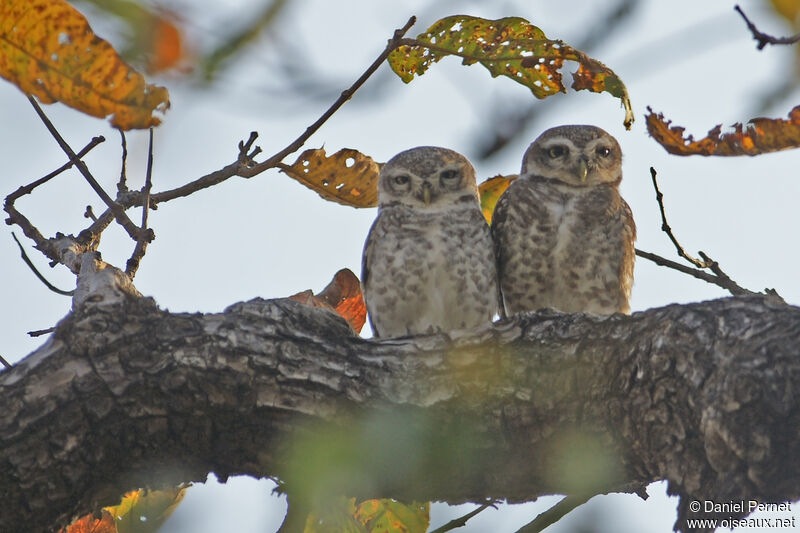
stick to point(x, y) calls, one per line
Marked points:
point(583, 169)
point(426, 193)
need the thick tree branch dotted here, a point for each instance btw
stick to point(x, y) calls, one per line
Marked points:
point(125, 395)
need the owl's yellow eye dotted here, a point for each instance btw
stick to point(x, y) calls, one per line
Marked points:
point(402, 179)
point(556, 151)
point(450, 177)
point(603, 151)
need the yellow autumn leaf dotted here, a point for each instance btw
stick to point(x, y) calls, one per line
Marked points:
point(347, 177)
point(48, 50)
point(144, 511)
point(490, 192)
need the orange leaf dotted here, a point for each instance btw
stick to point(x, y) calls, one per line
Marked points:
point(47, 49)
point(490, 192)
point(91, 524)
point(760, 136)
point(347, 177)
point(166, 46)
point(343, 295)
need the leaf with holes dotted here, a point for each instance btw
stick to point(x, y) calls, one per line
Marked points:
point(48, 50)
point(347, 177)
point(760, 136)
point(511, 47)
point(342, 295)
point(490, 192)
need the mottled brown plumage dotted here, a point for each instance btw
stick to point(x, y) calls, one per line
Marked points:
point(428, 261)
point(563, 234)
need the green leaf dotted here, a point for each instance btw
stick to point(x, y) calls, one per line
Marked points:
point(511, 47)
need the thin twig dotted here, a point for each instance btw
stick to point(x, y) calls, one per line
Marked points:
point(119, 211)
point(122, 185)
point(763, 38)
point(141, 244)
point(462, 521)
point(668, 230)
point(27, 189)
point(5, 363)
point(393, 43)
point(39, 274)
point(554, 514)
point(89, 213)
point(40, 332)
point(719, 277)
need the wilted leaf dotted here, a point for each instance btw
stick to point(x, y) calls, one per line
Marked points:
point(511, 47)
point(490, 192)
point(391, 516)
point(91, 524)
point(760, 136)
point(144, 511)
point(343, 295)
point(347, 177)
point(47, 49)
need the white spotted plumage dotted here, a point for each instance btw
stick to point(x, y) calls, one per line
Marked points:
point(428, 261)
point(563, 234)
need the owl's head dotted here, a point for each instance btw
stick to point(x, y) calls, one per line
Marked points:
point(577, 155)
point(427, 178)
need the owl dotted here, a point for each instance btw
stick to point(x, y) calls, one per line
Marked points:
point(428, 262)
point(563, 234)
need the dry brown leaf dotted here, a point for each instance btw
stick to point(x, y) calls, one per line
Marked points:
point(347, 177)
point(48, 50)
point(760, 136)
point(343, 295)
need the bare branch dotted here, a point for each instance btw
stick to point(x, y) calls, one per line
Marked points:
point(122, 185)
point(763, 38)
point(719, 277)
point(393, 43)
point(554, 514)
point(89, 213)
point(118, 210)
point(462, 520)
point(5, 363)
point(15, 217)
point(36, 271)
point(141, 243)
point(668, 230)
point(40, 332)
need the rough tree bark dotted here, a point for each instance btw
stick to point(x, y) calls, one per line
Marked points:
point(126, 395)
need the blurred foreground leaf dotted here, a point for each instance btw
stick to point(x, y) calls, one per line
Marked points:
point(343, 295)
point(511, 47)
point(490, 192)
point(391, 516)
point(347, 177)
point(760, 136)
point(48, 50)
point(140, 511)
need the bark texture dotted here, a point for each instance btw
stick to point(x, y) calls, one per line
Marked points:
point(126, 395)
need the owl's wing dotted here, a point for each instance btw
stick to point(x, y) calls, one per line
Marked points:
point(366, 259)
point(498, 220)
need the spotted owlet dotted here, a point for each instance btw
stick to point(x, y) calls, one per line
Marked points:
point(563, 234)
point(428, 261)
